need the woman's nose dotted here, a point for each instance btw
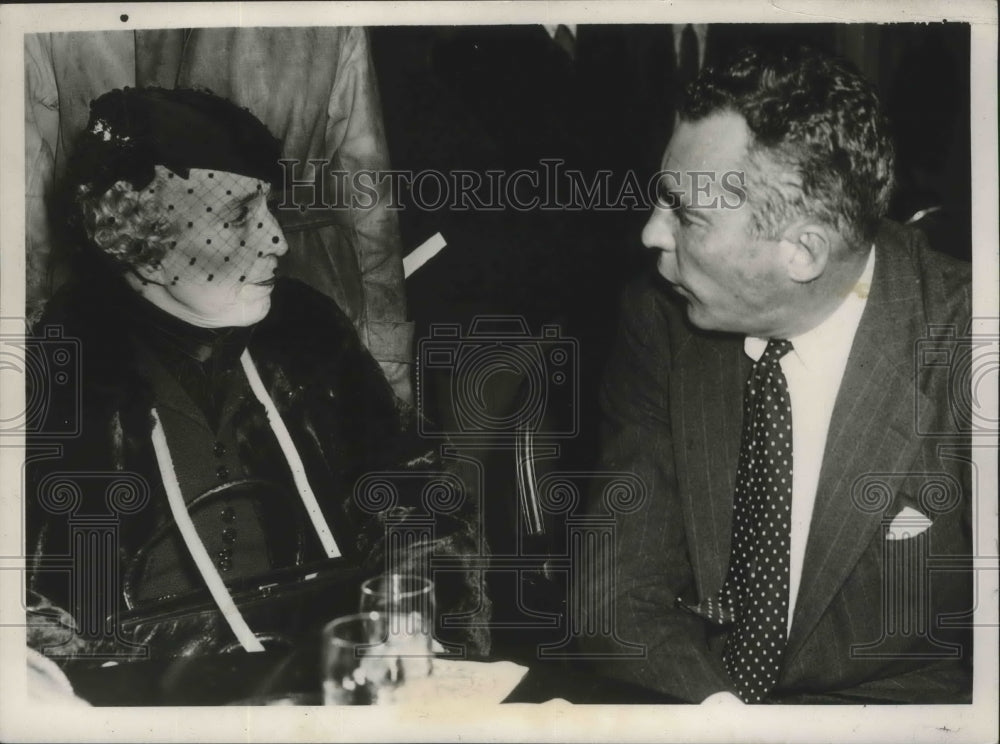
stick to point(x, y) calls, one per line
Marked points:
point(274, 242)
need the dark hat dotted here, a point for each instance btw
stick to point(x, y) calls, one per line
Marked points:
point(131, 130)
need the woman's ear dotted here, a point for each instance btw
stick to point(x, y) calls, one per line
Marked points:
point(139, 277)
point(149, 272)
point(806, 247)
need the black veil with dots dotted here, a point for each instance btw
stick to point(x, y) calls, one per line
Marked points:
point(224, 232)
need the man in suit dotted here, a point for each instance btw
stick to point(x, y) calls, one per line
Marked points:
point(803, 463)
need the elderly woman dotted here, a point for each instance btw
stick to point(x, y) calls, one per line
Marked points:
point(236, 413)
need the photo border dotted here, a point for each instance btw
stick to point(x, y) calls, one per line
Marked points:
point(20, 719)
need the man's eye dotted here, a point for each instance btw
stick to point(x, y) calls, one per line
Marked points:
point(672, 202)
point(668, 200)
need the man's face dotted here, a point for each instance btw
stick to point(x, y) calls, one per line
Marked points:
point(702, 228)
point(219, 266)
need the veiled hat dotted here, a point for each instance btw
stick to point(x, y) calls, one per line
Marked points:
point(131, 130)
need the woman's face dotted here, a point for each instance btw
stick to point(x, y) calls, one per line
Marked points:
point(223, 249)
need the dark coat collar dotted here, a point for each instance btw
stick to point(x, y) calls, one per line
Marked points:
point(304, 334)
point(330, 392)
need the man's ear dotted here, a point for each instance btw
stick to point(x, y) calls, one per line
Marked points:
point(806, 247)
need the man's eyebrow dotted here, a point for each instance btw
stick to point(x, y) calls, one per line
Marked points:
point(674, 201)
point(671, 198)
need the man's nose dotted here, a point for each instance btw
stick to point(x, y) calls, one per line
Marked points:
point(659, 230)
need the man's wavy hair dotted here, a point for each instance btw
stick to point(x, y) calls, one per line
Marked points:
point(811, 114)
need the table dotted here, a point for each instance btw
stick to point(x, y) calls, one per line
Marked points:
point(243, 678)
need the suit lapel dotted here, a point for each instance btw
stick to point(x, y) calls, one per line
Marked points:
point(871, 432)
point(707, 411)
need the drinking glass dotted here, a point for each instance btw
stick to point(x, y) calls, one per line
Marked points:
point(407, 600)
point(366, 663)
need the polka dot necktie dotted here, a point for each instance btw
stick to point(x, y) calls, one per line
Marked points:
point(754, 598)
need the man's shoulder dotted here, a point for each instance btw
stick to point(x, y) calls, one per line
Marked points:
point(948, 284)
point(943, 284)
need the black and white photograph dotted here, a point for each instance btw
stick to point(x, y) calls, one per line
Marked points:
point(535, 371)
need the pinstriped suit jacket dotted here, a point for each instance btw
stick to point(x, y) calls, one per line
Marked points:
point(868, 622)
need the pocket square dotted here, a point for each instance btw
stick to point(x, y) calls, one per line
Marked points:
point(908, 523)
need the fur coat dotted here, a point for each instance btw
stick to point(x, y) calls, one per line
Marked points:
point(332, 396)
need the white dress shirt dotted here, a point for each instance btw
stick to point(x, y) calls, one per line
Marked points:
point(700, 35)
point(814, 370)
point(551, 29)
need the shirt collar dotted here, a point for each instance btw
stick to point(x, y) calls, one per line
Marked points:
point(551, 28)
point(700, 33)
point(831, 339)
